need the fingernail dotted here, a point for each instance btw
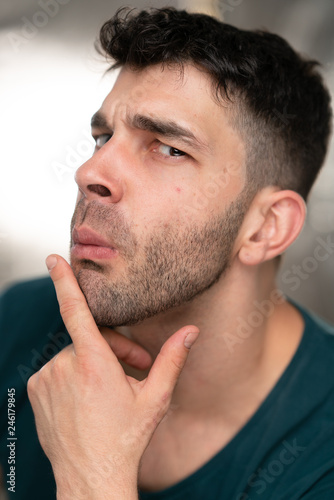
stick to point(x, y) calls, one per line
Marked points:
point(51, 262)
point(190, 339)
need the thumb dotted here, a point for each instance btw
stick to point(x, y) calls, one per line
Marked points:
point(169, 363)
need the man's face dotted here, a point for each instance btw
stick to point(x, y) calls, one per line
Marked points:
point(158, 208)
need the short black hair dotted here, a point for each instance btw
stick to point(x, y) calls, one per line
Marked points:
point(281, 105)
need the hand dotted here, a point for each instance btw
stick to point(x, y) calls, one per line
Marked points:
point(93, 421)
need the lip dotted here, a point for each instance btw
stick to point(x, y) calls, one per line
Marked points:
point(87, 244)
point(86, 236)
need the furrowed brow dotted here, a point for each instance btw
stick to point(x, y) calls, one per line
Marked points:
point(166, 128)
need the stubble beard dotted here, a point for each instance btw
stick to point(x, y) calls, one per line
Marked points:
point(176, 265)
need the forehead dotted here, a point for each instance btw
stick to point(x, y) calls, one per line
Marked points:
point(167, 82)
point(185, 97)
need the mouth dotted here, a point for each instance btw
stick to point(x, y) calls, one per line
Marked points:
point(86, 244)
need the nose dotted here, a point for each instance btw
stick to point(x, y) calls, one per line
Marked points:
point(97, 180)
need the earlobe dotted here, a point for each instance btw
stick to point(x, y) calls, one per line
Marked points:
point(274, 221)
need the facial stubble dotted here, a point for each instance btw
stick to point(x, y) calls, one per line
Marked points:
point(176, 264)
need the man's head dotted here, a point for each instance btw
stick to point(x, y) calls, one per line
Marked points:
point(280, 105)
point(196, 128)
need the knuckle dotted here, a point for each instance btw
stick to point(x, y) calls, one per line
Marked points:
point(177, 363)
point(90, 370)
point(31, 385)
point(57, 366)
point(174, 358)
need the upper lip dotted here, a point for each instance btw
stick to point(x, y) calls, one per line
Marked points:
point(86, 236)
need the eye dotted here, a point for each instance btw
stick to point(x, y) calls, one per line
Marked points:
point(166, 150)
point(100, 140)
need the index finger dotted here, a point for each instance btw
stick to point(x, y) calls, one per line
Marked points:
point(73, 306)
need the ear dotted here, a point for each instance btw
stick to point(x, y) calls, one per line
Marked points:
point(273, 221)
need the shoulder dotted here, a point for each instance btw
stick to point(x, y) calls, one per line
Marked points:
point(32, 299)
point(319, 322)
point(26, 292)
point(29, 321)
point(32, 333)
point(319, 331)
point(319, 484)
point(323, 489)
point(311, 475)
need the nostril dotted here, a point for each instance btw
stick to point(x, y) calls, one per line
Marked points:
point(99, 189)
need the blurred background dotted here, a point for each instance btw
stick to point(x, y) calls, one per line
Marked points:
point(51, 82)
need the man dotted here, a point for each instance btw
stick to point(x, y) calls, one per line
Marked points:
point(197, 104)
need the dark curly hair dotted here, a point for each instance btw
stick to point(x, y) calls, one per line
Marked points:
point(280, 104)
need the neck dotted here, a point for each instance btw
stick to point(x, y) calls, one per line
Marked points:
point(248, 335)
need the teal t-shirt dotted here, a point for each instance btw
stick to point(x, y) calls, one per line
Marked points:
point(284, 452)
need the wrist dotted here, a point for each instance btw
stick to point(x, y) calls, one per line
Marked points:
point(103, 492)
point(98, 485)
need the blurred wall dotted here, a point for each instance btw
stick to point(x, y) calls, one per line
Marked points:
point(50, 85)
point(308, 26)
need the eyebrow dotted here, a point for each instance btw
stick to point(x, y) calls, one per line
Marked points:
point(165, 128)
point(99, 121)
